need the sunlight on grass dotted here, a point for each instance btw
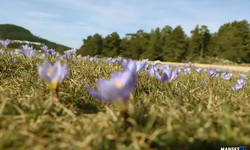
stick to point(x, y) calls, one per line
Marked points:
point(189, 115)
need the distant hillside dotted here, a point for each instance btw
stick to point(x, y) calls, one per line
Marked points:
point(19, 35)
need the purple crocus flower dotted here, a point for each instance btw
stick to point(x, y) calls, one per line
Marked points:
point(216, 75)
point(241, 81)
point(117, 90)
point(105, 61)
point(25, 47)
point(134, 66)
point(53, 75)
point(67, 55)
point(187, 71)
point(150, 72)
point(29, 52)
point(50, 52)
point(79, 56)
point(182, 68)
point(44, 48)
point(199, 70)
point(114, 60)
point(56, 54)
point(226, 76)
point(93, 59)
point(167, 75)
point(4, 44)
point(153, 64)
point(243, 76)
point(71, 51)
point(237, 87)
point(211, 72)
point(120, 59)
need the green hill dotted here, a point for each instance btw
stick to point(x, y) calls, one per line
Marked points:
point(19, 36)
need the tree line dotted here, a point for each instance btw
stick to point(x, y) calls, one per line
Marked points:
point(231, 42)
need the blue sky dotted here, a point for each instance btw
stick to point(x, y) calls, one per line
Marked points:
point(69, 21)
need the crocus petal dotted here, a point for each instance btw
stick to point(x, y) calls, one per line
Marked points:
point(97, 95)
point(108, 90)
point(129, 80)
point(42, 70)
point(167, 72)
point(174, 74)
point(157, 75)
point(56, 72)
point(140, 66)
point(165, 78)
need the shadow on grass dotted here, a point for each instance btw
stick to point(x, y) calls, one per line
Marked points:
point(87, 108)
point(196, 145)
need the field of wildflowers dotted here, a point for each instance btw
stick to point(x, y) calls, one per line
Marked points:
point(54, 101)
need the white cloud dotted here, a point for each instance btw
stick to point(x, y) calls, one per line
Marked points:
point(134, 15)
point(60, 33)
point(42, 14)
point(69, 21)
point(83, 23)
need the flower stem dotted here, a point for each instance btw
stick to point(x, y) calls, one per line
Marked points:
point(169, 90)
point(57, 93)
point(126, 116)
point(52, 96)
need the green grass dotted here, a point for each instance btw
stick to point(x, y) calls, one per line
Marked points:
point(196, 117)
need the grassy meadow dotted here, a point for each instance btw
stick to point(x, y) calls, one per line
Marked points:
point(194, 115)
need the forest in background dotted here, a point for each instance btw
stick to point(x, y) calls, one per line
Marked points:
point(231, 42)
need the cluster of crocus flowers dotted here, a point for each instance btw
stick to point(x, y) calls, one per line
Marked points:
point(240, 83)
point(71, 52)
point(53, 76)
point(28, 51)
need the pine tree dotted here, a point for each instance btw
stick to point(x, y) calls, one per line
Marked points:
point(175, 45)
point(111, 45)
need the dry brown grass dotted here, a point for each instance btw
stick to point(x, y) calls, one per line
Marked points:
point(196, 117)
